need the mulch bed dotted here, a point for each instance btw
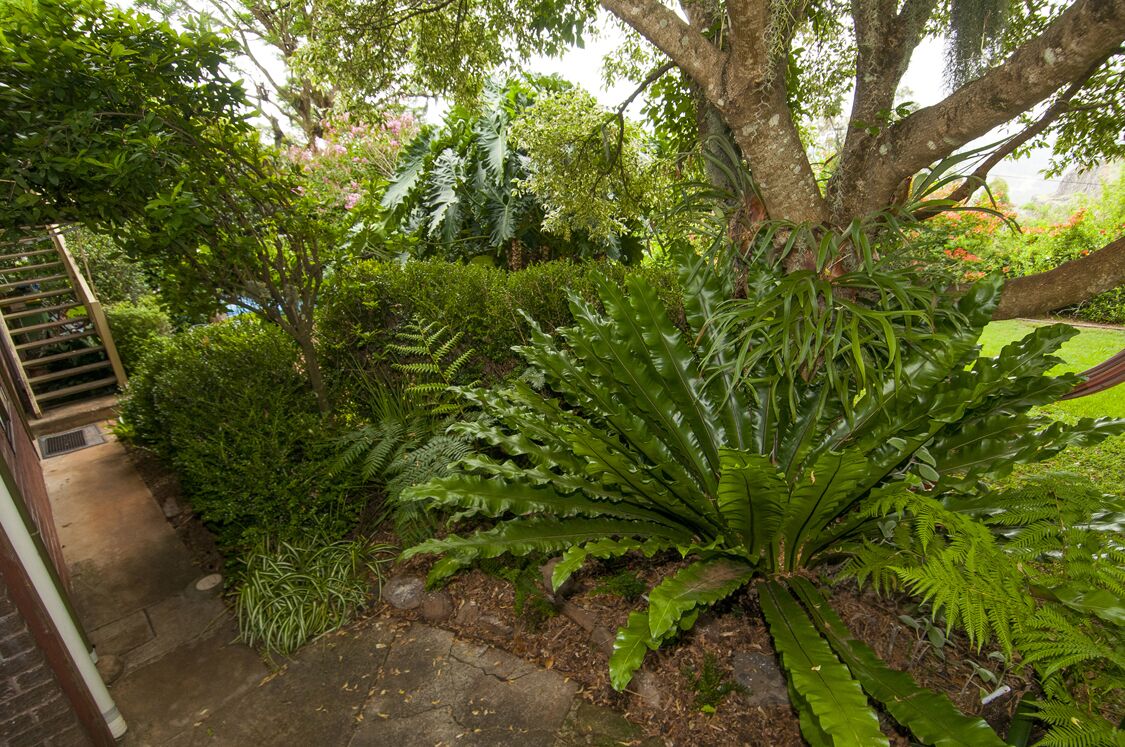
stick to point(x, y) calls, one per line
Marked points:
point(662, 699)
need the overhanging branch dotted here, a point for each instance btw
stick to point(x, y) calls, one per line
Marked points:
point(1086, 32)
point(1068, 284)
point(689, 49)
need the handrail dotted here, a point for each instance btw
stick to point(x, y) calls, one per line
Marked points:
point(90, 301)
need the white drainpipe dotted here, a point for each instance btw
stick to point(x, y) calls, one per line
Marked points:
point(32, 561)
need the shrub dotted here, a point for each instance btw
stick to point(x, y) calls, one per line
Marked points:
point(363, 306)
point(295, 591)
point(227, 406)
point(135, 326)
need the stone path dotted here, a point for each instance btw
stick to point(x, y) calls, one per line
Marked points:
point(185, 679)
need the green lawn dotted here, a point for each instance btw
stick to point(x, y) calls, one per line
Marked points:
point(1104, 463)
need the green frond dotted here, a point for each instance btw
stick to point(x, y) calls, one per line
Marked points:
point(835, 701)
point(929, 716)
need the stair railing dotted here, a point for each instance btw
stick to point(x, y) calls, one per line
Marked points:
point(90, 302)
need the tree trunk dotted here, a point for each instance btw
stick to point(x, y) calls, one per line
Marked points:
point(313, 371)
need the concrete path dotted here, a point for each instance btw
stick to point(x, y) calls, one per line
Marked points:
point(187, 680)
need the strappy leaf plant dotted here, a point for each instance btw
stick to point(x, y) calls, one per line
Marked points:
point(644, 445)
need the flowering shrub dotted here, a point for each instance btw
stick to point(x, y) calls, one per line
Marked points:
point(352, 158)
point(973, 244)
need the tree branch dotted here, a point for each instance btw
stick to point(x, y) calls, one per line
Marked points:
point(750, 22)
point(690, 50)
point(1073, 282)
point(654, 76)
point(973, 182)
point(1086, 32)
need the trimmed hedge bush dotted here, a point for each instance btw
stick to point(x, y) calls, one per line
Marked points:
point(364, 305)
point(135, 327)
point(228, 408)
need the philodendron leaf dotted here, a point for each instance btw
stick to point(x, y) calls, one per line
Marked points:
point(701, 583)
point(835, 701)
point(929, 716)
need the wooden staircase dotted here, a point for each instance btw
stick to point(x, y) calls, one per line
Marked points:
point(52, 324)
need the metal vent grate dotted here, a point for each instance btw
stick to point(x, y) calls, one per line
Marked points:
point(68, 441)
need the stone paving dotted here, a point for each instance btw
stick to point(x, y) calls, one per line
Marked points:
point(183, 678)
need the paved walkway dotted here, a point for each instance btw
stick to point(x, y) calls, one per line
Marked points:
point(187, 680)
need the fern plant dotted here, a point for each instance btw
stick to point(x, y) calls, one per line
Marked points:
point(406, 441)
point(643, 446)
point(973, 557)
point(435, 367)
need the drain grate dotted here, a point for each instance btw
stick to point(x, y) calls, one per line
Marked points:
point(68, 441)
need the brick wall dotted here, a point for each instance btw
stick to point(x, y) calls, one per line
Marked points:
point(33, 708)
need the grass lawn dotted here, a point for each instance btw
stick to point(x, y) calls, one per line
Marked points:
point(1105, 463)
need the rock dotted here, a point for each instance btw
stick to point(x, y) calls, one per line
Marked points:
point(404, 592)
point(436, 606)
point(579, 616)
point(211, 584)
point(110, 668)
point(596, 726)
point(496, 626)
point(548, 570)
point(467, 614)
point(602, 639)
point(644, 685)
point(171, 508)
point(760, 675)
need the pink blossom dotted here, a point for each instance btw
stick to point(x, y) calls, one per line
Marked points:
point(351, 199)
point(338, 149)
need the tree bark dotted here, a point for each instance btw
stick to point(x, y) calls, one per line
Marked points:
point(1066, 285)
point(1085, 32)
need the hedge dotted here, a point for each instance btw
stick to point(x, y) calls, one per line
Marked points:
point(363, 306)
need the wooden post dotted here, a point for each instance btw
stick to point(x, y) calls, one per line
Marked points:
point(90, 303)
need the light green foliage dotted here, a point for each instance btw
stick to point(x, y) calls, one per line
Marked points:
point(374, 52)
point(227, 407)
point(638, 443)
point(458, 188)
point(1105, 462)
point(293, 591)
point(364, 304)
point(433, 363)
point(135, 327)
point(595, 173)
point(972, 557)
point(112, 275)
point(972, 243)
